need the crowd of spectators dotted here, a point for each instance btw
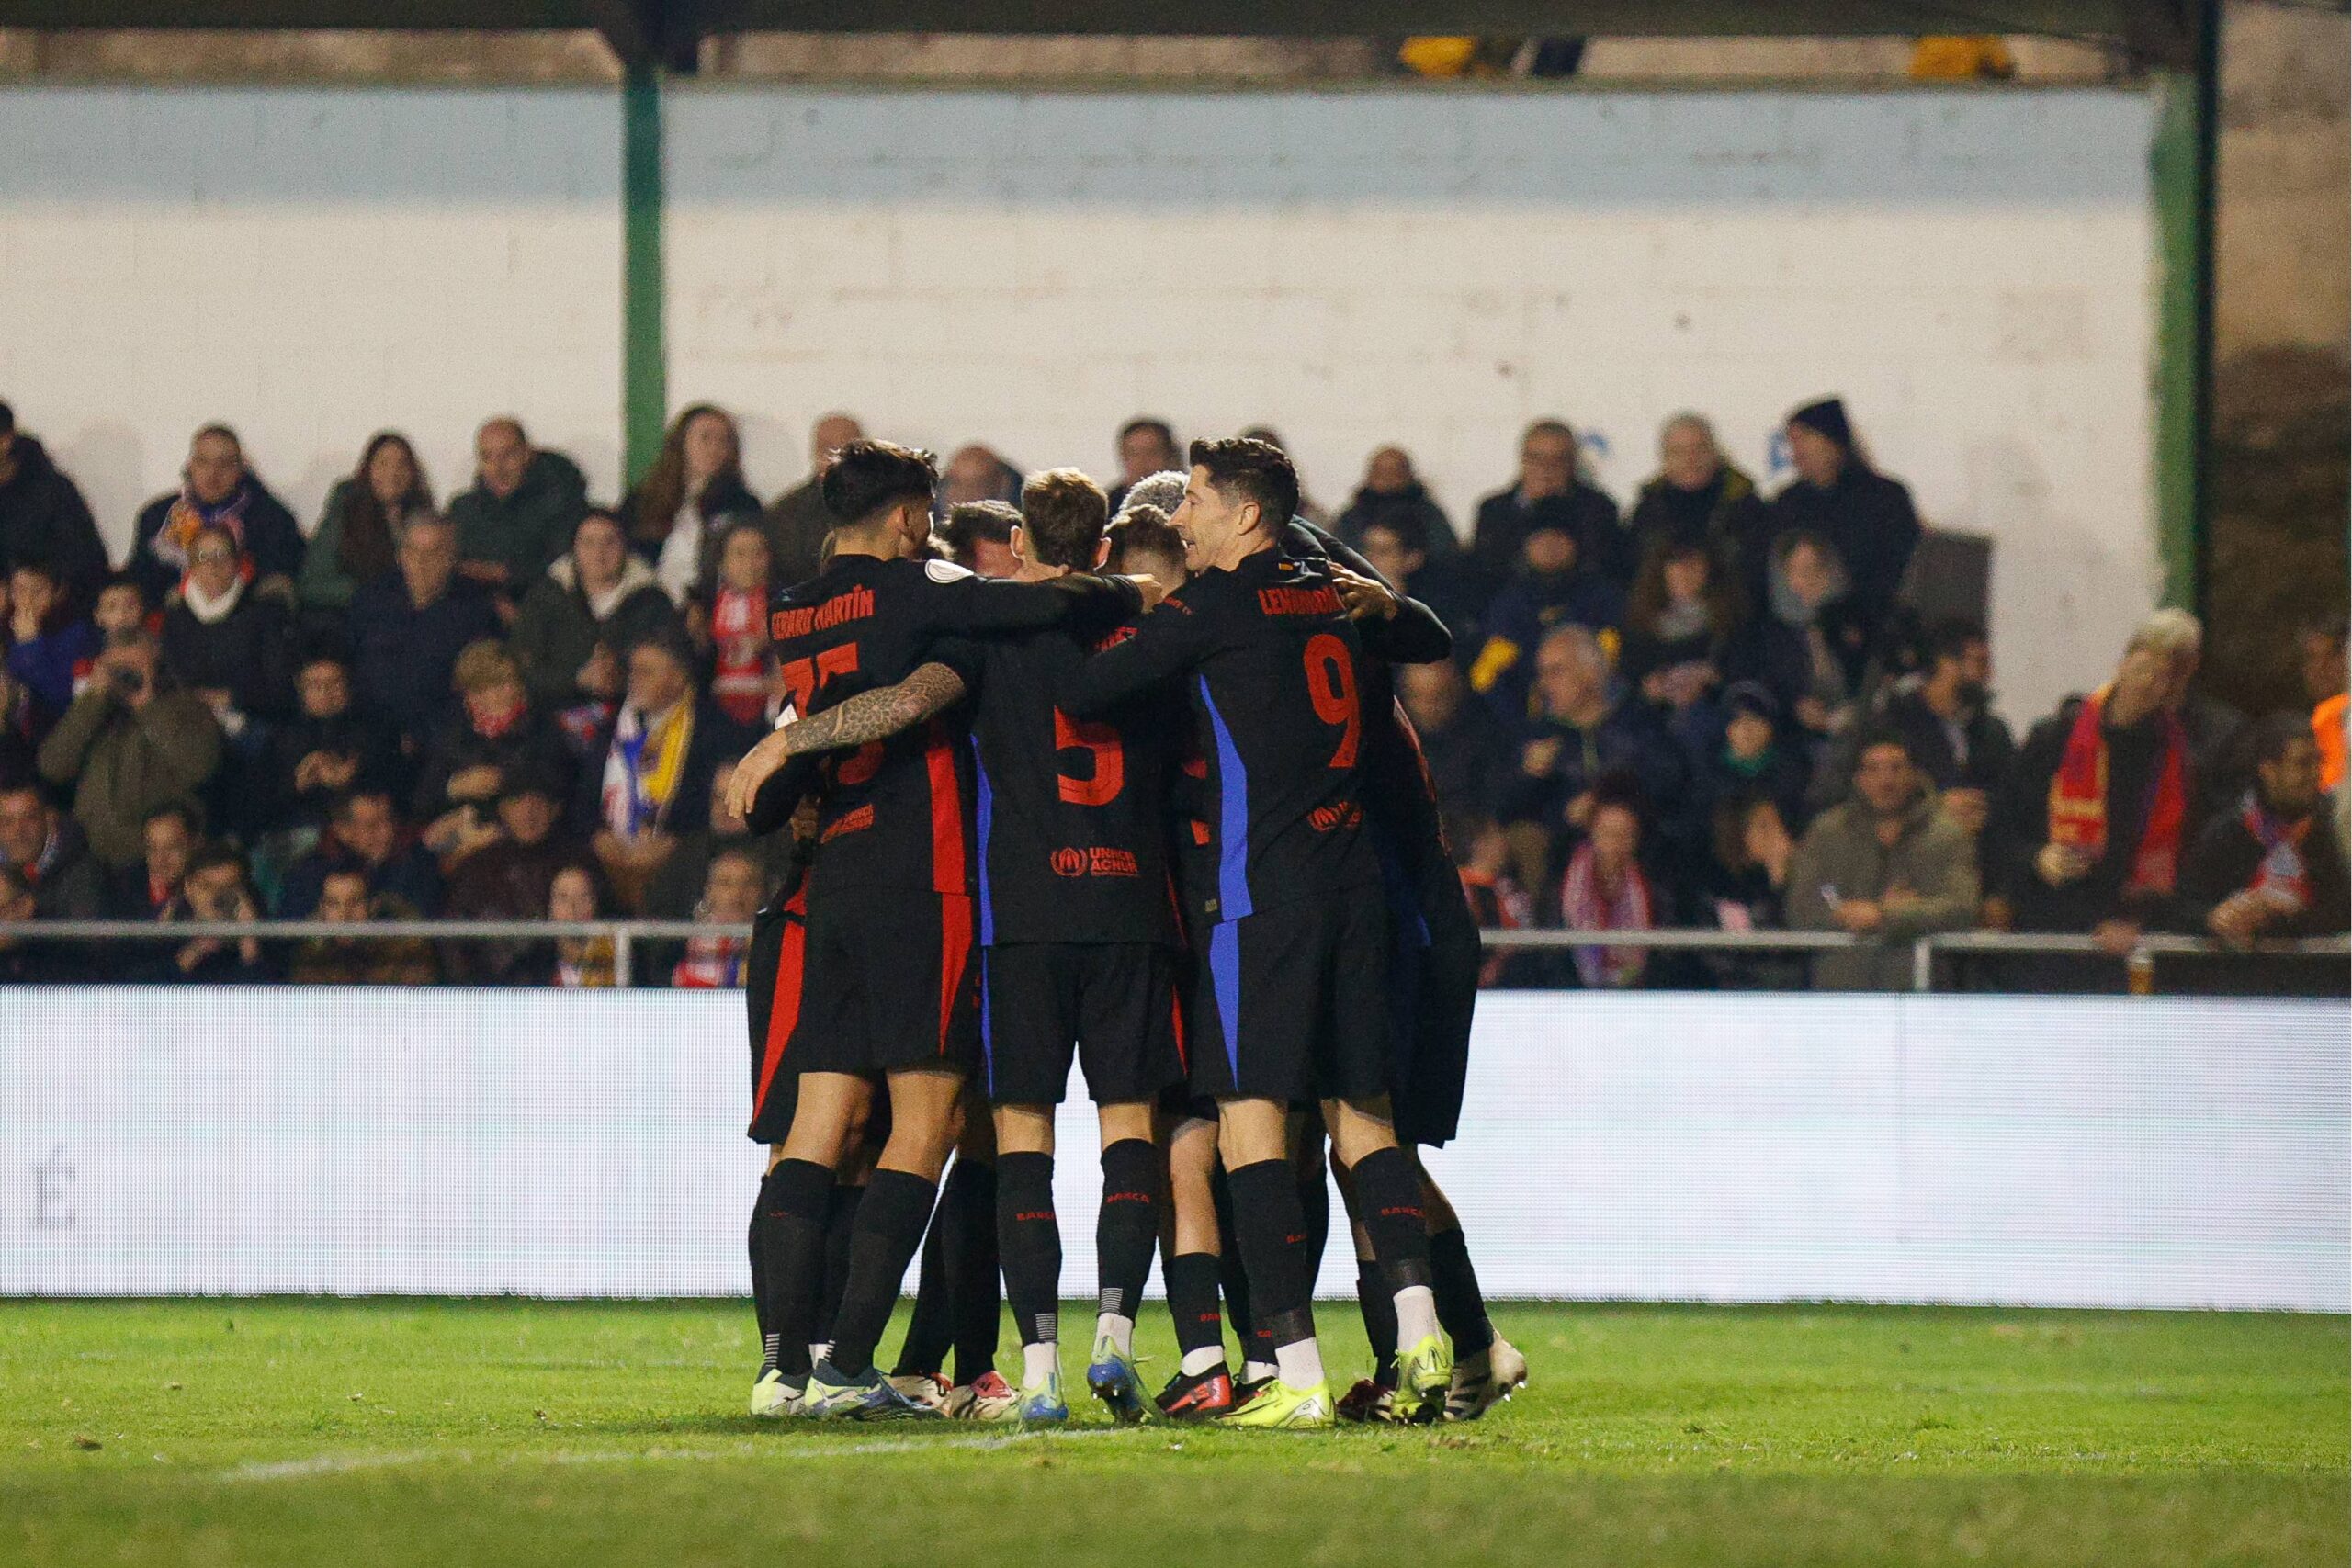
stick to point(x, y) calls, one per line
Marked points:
point(1713, 708)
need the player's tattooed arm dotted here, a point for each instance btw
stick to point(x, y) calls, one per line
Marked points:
point(872, 715)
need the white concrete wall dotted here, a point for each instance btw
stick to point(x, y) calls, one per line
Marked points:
point(309, 266)
point(1972, 270)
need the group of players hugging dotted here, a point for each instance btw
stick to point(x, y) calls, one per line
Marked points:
point(1150, 799)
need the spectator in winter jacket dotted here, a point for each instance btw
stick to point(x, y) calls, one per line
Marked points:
point(1395, 544)
point(495, 732)
point(1809, 643)
point(1392, 490)
point(44, 520)
point(1698, 498)
point(364, 833)
point(1549, 493)
point(1741, 884)
point(225, 642)
point(797, 521)
point(2268, 865)
point(1584, 734)
point(1754, 758)
point(217, 889)
point(2089, 828)
point(142, 890)
point(519, 515)
point(216, 487)
point(50, 649)
point(510, 878)
point(673, 890)
point(48, 852)
point(1680, 623)
point(2216, 731)
point(1867, 517)
point(1885, 866)
point(367, 516)
point(647, 782)
point(1554, 589)
point(127, 745)
point(26, 961)
point(407, 629)
point(1470, 754)
point(1963, 746)
point(589, 609)
point(693, 494)
point(361, 961)
point(326, 749)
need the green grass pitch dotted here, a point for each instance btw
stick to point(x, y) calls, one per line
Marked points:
point(514, 1433)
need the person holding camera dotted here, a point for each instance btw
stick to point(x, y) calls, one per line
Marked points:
point(127, 745)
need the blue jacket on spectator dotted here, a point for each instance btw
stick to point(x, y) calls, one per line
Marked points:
point(403, 656)
point(1529, 607)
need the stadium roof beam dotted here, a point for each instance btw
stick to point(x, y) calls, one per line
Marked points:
point(2161, 33)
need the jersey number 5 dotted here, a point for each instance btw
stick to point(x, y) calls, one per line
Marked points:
point(804, 678)
point(1109, 774)
point(1331, 685)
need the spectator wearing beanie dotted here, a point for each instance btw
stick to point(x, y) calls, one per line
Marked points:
point(517, 519)
point(1698, 497)
point(1753, 758)
point(1867, 517)
point(589, 608)
point(44, 519)
point(408, 628)
point(1884, 865)
point(128, 744)
point(216, 487)
point(367, 516)
point(225, 642)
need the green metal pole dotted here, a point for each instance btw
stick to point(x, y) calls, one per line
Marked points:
point(645, 393)
point(2183, 164)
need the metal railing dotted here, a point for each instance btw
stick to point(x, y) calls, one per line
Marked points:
point(625, 934)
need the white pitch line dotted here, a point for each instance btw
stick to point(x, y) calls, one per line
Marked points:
point(334, 1464)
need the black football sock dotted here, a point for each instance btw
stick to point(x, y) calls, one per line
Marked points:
point(792, 1240)
point(1460, 1306)
point(841, 1224)
point(1271, 1231)
point(1231, 1277)
point(757, 1243)
point(1029, 1236)
point(889, 1228)
point(1191, 1303)
point(1127, 1226)
point(931, 1328)
point(1388, 1204)
point(1378, 1305)
point(977, 1282)
point(1315, 1204)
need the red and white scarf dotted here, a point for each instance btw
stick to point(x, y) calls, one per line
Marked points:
point(1586, 905)
point(738, 637)
point(2078, 803)
point(711, 963)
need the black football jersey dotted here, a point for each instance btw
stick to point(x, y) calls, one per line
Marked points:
point(1072, 813)
point(898, 813)
point(1271, 665)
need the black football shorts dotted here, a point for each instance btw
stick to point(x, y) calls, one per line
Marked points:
point(1292, 1003)
point(1112, 1002)
point(891, 982)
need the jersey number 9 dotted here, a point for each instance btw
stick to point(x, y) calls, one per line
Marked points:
point(1331, 685)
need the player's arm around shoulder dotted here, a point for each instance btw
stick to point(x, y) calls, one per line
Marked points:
point(1167, 642)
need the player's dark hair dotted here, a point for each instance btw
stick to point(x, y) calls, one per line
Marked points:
point(867, 477)
point(1255, 471)
point(1142, 536)
point(970, 522)
point(1064, 514)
